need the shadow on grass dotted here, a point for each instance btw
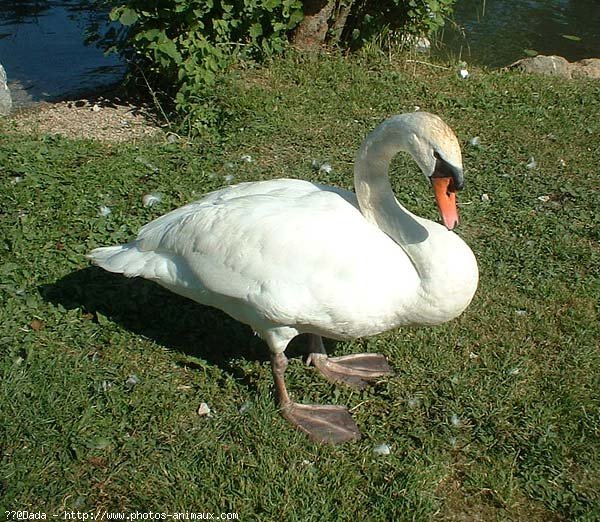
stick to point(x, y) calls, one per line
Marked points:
point(174, 322)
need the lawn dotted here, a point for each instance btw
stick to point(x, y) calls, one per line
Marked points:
point(494, 416)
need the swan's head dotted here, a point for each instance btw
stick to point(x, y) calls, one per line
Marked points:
point(436, 150)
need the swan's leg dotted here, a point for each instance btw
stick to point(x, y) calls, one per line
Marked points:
point(355, 370)
point(321, 423)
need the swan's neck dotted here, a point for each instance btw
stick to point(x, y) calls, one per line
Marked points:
point(445, 266)
point(375, 195)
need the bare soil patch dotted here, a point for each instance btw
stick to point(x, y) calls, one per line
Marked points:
point(100, 117)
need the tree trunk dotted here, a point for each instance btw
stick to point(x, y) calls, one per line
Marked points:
point(312, 30)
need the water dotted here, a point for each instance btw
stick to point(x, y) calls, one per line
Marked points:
point(42, 49)
point(497, 32)
point(43, 52)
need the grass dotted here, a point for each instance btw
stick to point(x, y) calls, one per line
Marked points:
point(495, 416)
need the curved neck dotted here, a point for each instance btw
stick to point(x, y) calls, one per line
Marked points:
point(446, 267)
point(374, 192)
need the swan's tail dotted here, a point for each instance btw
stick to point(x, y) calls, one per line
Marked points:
point(168, 270)
point(130, 261)
point(121, 259)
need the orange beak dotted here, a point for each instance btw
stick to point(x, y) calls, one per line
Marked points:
point(446, 201)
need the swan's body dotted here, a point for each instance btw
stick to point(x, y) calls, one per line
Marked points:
point(288, 256)
point(289, 253)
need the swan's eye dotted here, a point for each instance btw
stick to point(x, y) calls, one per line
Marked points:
point(443, 169)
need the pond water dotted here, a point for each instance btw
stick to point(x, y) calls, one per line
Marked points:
point(498, 32)
point(43, 52)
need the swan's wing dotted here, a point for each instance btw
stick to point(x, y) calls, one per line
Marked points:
point(242, 238)
point(288, 251)
point(161, 248)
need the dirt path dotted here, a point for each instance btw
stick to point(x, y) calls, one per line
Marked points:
point(101, 117)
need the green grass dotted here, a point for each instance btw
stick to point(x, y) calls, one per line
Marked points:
point(495, 416)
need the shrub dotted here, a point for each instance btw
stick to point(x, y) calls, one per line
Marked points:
point(182, 46)
point(368, 18)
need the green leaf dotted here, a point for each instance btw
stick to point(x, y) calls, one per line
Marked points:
point(571, 37)
point(7, 268)
point(255, 31)
point(150, 35)
point(169, 48)
point(114, 14)
point(295, 18)
point(102, 319)
point(530, 52)
point(99, 443)
point(128, 17)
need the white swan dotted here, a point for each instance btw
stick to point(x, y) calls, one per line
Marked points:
point(289, 257)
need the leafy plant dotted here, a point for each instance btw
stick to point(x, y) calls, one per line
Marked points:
point(182, 45)
point(413, 17)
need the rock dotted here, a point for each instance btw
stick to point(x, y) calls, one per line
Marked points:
point(547, 65)
point(588, 68)
point(5, 98)
point(559, 66)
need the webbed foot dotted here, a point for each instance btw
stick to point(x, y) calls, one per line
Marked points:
point(332, 424)
point(355, 370)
